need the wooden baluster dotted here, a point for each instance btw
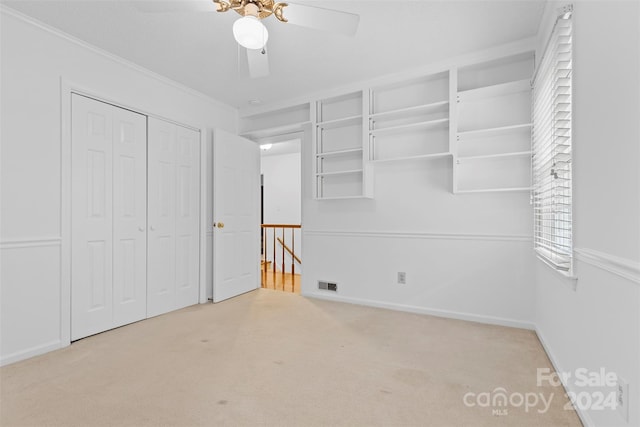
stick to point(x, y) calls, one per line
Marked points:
point(283, 258)
point(264, 249)
point(274, 252)
point(293, 251)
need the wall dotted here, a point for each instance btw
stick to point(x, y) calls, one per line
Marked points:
point(282, 191)
point(34, 59)
point(595, 322)
point(282, 198)
point(465, 256)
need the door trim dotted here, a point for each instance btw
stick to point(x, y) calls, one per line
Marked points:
point(304, 135)
point(67, 88)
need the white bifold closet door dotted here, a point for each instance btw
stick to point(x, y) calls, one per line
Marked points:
point(174, 205)
point(108, 232)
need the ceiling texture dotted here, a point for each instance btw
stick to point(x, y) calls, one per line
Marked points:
point(197, 49)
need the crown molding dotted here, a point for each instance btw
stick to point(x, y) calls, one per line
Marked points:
point(5, 10)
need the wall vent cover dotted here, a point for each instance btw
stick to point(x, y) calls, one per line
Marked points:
point(327, 286)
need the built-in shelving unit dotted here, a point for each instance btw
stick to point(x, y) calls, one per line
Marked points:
point(493, 135)
point(477, 114)
point(340, 167)
point(409, 120)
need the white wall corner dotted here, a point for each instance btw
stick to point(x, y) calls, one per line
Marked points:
point(584, 416)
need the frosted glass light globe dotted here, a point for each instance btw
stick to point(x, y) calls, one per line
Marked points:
point(250, 32)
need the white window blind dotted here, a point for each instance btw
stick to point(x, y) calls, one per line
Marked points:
point(551, 147)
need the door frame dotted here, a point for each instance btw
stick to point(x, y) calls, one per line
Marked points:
point(67, 88)
point(304, 136)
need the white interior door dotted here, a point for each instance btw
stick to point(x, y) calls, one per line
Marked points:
point(236, 212)
point(129, 217)
point(161, 238)
point(187, 217)
point(108, 239)
point(173, 200)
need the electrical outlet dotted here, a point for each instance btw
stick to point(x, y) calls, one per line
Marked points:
point(402, 278)
point(622, 398)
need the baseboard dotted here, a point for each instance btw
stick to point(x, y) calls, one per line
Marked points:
point(31, 352)
point(478, 318)
point(584, 417)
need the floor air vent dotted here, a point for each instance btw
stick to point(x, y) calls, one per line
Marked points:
point(327, 286)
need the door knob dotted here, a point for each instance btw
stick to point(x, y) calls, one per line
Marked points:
point(140, 228)
point(152, 228)
point(221, 225)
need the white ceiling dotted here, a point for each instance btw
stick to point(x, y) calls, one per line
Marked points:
point(197, 49)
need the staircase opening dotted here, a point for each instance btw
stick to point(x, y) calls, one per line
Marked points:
point(281, 214)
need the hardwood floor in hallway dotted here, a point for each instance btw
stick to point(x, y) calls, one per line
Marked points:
point(285, 282)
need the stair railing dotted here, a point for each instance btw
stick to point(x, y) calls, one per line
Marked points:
point(290, 249)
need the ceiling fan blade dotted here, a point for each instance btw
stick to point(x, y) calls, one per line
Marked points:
point(258, 62)
point(173, 6)
point(322, 19)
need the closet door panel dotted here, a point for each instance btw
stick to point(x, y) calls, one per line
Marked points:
point(174, 217)
point(161, 266)
point(91, 232)
point(187, 216)
point(129, 217)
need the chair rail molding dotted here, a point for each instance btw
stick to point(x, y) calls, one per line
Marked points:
point(419, 235)
point(31, 242)
point(623, 267)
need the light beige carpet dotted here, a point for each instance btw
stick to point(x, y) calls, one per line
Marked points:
point(273, 358)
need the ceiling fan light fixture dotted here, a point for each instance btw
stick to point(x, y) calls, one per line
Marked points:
point(249, 32)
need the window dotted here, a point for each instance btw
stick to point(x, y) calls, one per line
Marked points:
point(551, 147)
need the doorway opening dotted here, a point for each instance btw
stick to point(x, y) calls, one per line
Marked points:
point(281, 215)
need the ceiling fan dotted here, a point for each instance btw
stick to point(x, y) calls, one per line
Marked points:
point(251, 33)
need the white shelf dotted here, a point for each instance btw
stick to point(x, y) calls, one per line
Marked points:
point(423, 156)
point(490, 132)
point(343, 197)
point(492, 150)
point(495, 190)
point(340, 152)
point(408, 111)
point(343, 121)
point(346, 172)
point(274, 131)
point(495, 90)
point(496, 156)
point(400, 128)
